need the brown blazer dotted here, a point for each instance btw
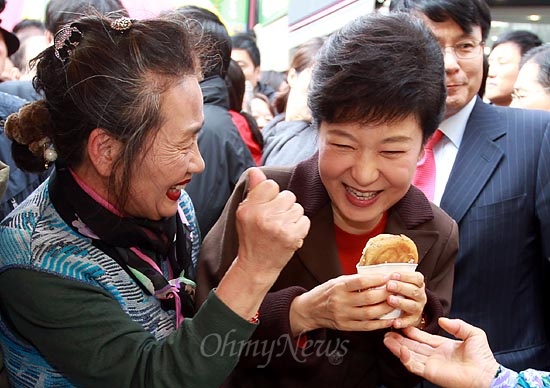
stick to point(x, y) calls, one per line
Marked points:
point(338, 359)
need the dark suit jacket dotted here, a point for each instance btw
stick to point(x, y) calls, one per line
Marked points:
point(225, 155)
point(499, 193)
point(355, 359)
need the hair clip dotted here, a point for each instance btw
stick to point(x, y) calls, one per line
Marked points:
point(65, 41)
point(121, 24)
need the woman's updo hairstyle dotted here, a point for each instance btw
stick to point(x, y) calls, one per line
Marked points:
point(102, 72)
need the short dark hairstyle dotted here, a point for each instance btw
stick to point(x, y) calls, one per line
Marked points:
point(214, 43)
point(377, 69)
point(541, 56)
point(28, 23)
point(61, 12)
point(247, 42)
point(465, 13)
point(525, 40)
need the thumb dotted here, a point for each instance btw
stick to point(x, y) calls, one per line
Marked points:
point(458, 328)
point(255, 177)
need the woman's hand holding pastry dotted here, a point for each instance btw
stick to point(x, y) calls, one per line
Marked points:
point(349, 303)
point(409, 285)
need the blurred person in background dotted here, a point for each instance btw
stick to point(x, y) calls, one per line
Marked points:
point(246, 53)
point(289, 137)
point(4, 177)
point(57, 14)
point(9, 43)
point(61, 12)
point(504, 61)
point(261, 109)
point(29, 27)
point(33, 39)
point(245, 123)
point(275, 79)
point(532, 87)
point(21, 183)
point(222, 147)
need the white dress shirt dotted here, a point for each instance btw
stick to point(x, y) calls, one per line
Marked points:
point(446, 150)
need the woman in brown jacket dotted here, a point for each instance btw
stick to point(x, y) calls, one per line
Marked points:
point(377, 94)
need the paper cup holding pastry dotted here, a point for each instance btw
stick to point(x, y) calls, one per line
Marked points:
point(388, 253)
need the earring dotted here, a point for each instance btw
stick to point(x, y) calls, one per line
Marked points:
point(50, 154)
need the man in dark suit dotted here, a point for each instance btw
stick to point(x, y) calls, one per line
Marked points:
point(493, 178)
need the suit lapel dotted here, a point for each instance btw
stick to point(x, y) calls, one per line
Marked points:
point(477, 159)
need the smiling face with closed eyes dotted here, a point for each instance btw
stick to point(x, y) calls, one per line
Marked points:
point(367, 168)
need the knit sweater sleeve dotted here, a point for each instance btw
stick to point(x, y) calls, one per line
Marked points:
point(530, 378)
point(82, 332)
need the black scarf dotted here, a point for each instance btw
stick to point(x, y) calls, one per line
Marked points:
point(139, 246)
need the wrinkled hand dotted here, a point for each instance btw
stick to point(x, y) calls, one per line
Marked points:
point(409, 285)
point(270, 224)
point(349, 303)
point(443, 361)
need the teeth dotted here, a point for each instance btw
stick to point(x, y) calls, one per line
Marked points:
point(362, 195)
point(178, 187)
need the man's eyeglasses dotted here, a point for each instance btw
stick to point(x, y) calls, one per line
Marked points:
point(465, 49)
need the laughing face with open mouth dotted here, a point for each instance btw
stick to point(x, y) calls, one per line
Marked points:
point(172, 157)
point(367, 168)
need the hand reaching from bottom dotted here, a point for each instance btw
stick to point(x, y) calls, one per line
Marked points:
point(465, 363)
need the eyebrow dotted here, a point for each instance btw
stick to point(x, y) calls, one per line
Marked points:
point(462, 37)
point(339, 132)
point(397, 139)
point(391, 139)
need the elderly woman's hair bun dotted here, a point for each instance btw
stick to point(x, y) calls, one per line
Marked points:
point(30, 130)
